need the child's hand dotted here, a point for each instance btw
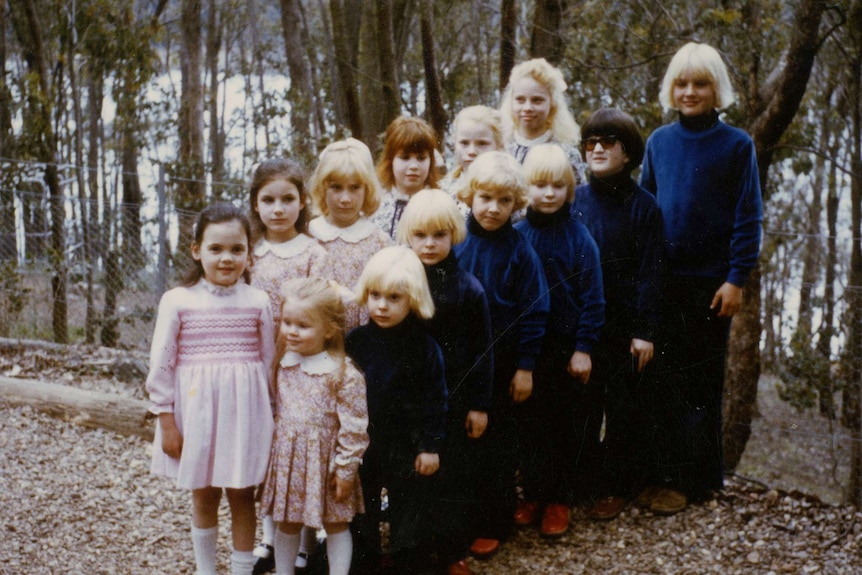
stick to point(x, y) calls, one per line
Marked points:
point(427, 463)
point(172, 439)
point(476, 423)
point(729, 298)
point(580, 366)
point(342, 487)
point(522, 385)
point(642, 351)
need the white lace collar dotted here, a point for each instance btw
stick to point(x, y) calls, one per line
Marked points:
point(283, 250)
point(316, 364)
point(522, 141)
point(218, 290)
point(326, 232)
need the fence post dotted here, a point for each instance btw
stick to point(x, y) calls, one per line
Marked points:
point(162, 276)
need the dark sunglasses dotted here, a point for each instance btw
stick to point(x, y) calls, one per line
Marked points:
point(607, 142)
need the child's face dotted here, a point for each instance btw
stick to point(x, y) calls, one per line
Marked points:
point(693, 96)
point(605, 155)
point(548, 197)
point(531, 105)
point(223, 252)
point(472, 139)
point(432, 246)
point(410, 171)
point(491, 209)
point(305, 333)
point(278, 205)
point(388, 309)
point(344, 200)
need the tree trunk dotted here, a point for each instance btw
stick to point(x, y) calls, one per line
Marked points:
point(546, 40)
point(216, 134)
point(508, 40)
point(433, 93)
point(346, 81)
point(827, 331)
point(8, 239)
point(390, 94)
point(300, 92)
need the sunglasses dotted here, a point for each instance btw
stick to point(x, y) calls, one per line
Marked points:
point(607, 142)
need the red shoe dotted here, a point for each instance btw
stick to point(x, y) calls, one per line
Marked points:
point(607, 508)
point(526, 513)
point(484, 548)
point(459, 568)
point(555, 520)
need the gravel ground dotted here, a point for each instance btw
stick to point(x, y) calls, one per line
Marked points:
point(79, 501)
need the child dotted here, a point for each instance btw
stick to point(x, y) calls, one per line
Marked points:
point(408, 164)
point(627, 226)
point(704, 175)
point(535, 112)
point(431, 226)
point(321, 426)
point(510, 271)
point(345, 190)
point(406, 391)
point(209, 383)
point(561, 421)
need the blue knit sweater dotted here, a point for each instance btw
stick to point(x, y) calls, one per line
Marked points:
point(706, 183)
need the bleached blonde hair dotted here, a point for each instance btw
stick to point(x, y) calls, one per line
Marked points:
point(485, 116)
point(397, 269)
point(322, 300)
point(431, 210)
point(564, 129)
point(345, 159)
point(497, 173)
point(702, 62)
point(549, 163)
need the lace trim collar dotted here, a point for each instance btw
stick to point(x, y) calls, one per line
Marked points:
point(218, 290)
point(543, 139)
point(283, 250)
point(324, 231)
point(316, 364)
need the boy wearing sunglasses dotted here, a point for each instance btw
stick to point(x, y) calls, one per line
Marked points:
point(626, 223)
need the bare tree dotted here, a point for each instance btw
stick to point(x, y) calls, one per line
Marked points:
point(433, 96)
point(508, 31)
point(546, 40)
point(300, 94)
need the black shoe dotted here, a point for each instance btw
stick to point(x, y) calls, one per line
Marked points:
point(265, 564)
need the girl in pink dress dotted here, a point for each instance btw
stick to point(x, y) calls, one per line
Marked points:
point(210, 368)
point(321, 427)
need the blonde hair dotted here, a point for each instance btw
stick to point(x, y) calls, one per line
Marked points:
point(495, 172)
point(345, 159)
point(320, 299)
point(488, 117)
point(560, 122)
point(397, 269)
point(701, 61)
point(431, 210)
point(549, 163)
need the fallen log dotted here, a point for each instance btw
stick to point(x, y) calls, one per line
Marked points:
point(93, 409)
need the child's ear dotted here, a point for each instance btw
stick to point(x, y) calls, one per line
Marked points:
point(196, 252)
point(331, 330)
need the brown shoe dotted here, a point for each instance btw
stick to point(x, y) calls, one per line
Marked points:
point(526, 513)
point(668, 502)
point(648, 495)
point(484, 548)
point(555, 520)
point(458, 568)
point(607, 508)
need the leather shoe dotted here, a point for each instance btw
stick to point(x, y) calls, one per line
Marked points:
point(484, 548)
point(607, 508)
point(668, 502)
point(526, 513)
point(648, 495)
point(458, 568)
point(555, 520)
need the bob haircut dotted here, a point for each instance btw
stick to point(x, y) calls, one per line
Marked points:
point(549, 163)
point(397, 269)
point(561, 123)
point(701, 61)
point(495, 172)
point(267, 172)
point(408, 135)
point(217, 213)
point(431, 210)
point(488, 117)
point(345, 159)
point(615, 122)
point(321, 300)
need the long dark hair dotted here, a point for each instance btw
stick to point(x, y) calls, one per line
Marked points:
point(270, 171)
point(217, 213)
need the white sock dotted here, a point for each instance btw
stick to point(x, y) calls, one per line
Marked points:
point(204, 545)
point(286, 548)
point(339, 550)
point(268, 529)
point(307, 536)
point(241, 562)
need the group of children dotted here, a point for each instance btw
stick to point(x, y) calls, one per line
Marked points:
point(403, 363)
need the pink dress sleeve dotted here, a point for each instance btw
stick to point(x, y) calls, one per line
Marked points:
point(163, 355)
point(352, 409)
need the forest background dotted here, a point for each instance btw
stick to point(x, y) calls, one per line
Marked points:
point(120, 119)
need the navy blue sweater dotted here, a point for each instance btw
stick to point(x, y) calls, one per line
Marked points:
point(707, 186)
point(627, 226)
point(405, 384)
point(570, 259)
point(462, 327)
point(510, 271)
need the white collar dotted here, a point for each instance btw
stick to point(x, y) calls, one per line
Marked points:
point(395, 194)
point(316, 364)
point(216, 289)
point(283, 250)
point(522, 141)
point(355, 233)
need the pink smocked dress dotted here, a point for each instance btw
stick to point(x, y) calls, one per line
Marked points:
point(210, 365)
point(348, 250)
point(320, 429)
point(301, 257)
